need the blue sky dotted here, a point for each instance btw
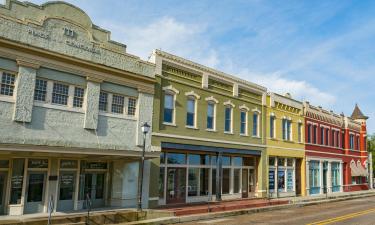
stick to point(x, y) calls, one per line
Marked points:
point(321, 51)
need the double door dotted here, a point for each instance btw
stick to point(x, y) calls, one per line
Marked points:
point(94, 188)
point(248, 183)
point(3, 188)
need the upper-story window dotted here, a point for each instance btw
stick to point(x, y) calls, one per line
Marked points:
point(190, 112)
point(168, 108)
point(211, 115)
point(333, 138)
point(327, 137)
point(358, 144)
point(132, 106)
point(351, 141)
point(228, 119)
point(117, 104)
point(40, 90)
point(287, 129)
point(103, 101)
point(315, 133)
point(309, 133)
point(343, 140)
point(243, 125)
point(79, 94)
point(337, 138)
point(272, 126)
point(322, 136)
point(7, 83)
point(256, 124)
point(299, 132)
point(60, 93)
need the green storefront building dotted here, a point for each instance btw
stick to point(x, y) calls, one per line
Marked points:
point(208, 126)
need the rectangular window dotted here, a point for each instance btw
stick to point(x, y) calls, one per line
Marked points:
point(78, 97)
point(226, 181)
point(315, 132)
point(228, 119)
point(290, 180)
point(284, 128)
point(309, 133)
point(289, 130)
point(118, 104)
point(272, 127)
point(190, 114)
point(40, 90)
point(327, 137)
point(281, 180)
point(358, 143)
point(132, 106)
point(299, 132)
point(103, 101)
point(193, 181)
point(60, 94)
point(168, 108)
point(351, 141)
point(210, 115)
point(7, 84)
point(314, 178)
point(255, 125)
point(333, 138)
point(243, 129)
point(236, 181)
point(322, 136)
point(176, 158)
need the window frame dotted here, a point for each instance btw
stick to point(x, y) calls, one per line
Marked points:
point(245, 123)
point(257, 128)
point(213, 104)
point(230, 131)
point(195, 104)
point(173, 95)
point(14, 85)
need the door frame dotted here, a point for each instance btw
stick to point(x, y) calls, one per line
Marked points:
point(45, 187)
point(71, 171)
point(183, 200)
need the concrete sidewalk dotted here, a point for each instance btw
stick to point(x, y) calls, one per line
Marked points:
point(293, 202)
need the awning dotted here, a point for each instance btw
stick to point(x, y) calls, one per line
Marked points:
point(357, 170)
point(166, 145)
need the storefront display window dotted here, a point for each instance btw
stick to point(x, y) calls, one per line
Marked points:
point(176, 158)
point(226, 181)
point(204, 179)
point(290, 180)
point(271, 180)
point(335, 172)
point(281, 180)
point(236, 180)
point(193, 181)
point(17, 181)
point(314, 176)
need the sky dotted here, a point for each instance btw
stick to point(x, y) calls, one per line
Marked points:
point(319, 51)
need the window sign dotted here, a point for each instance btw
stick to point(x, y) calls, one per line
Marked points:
point(68, 164)
point(271, 180)
point(95, 165)
point(17, 181)
point(281, 180)
point(290, 180)
point(38, 163)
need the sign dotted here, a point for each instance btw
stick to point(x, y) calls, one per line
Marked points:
point(271, 180)
point(17, 181)
point(66, 180)
point(68, 164)
point(38, 163)
point(95, 165)
point(290, 180)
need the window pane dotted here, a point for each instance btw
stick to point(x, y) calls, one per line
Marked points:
point(161, 182)
point(60, 94)
point(17, 181)
point(290, 180)
point(168, 115)
point(190, 112)
point(225, 160)
point(67, 181)
point(255, 124)
point(213, 181)
point(176, 158)
point(281, 180)
point(226, 180)
point(237, 161)
point(7, 84)
point(249, 161)
point(132, 106)
point(272, 161)
point(168, 101)
point(281, 161)
point(236, 180)
point(228, 117)
point(40, 90)
point(162, 158)
point(118, 104)
point(289, 162)
point(103, 101)
point(195, 159)
point(210, 116)
point(272, 121)
point(193, 182)
point(78, 97)
point(204, 178)
point(243, 123)
point(168, 108)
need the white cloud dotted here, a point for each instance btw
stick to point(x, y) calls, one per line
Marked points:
point(168, 34)
point(300, 90)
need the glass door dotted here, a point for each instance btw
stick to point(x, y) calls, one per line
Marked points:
point(36, 182)
point(245, 183)
point(66, 191)
point(252, 182)
point(94, 187)
point(176, 189)
point(3, 188)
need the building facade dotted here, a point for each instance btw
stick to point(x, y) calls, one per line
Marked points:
point(209, 128)
point(336, 156)
point(285, 146)
point(72, 102)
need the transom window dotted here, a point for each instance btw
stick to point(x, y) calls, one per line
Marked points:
point(60, 94)
point(103, 101)
point(132, 106)
point(7, 84)
point(117, 104)
point(78, 97)
point(40, 90)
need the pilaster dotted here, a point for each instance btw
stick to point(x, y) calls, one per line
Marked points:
point(341, 177)
point(145, 104)
point(307, 178)
point(24, 91)
point(91, 105)
point(329, 177)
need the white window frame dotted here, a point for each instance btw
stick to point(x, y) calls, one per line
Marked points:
point(170, 90)
point(246, 122)
point(231, 119)
point(125, 115)
point(258, 113)
point(272, 115)
point(8, 98)
point(213, 103)
point(195, 99)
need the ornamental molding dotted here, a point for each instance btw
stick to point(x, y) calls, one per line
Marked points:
point(170, 88)
point(212, 99)
point(192, 93)
point(244, 107)
point(229, 103)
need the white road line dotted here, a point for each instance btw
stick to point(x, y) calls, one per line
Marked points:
point(214, 221)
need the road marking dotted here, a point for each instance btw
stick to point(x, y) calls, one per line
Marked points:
point(214, 221)
point(341, 218)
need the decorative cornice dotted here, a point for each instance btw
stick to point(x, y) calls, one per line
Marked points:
point(94, 79)
point(256, 110)
point(171, 88)
point(229, 103)
point(211, 98)
point(192, 93)
point(244, 107)
point(28, 63)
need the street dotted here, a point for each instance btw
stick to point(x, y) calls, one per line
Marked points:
point(358, 211)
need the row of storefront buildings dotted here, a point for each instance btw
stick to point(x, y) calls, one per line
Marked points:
point(72, 103)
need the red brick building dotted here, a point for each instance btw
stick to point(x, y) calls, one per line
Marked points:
point(336, 154)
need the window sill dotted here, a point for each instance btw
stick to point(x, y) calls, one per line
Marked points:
point(169, 124)
point(273, 139)
point(289, 141)
point(58, 107)
point(244, 135)
point(120, 116)
point(211, 130)
point(257, 137)
point(5, 98)
point(191, 127)
point(227, 132)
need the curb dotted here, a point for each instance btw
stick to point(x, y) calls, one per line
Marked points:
point(215, 215)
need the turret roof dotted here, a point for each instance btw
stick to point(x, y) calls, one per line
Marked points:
point(357, 113)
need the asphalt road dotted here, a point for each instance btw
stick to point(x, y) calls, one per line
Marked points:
point(354, 212)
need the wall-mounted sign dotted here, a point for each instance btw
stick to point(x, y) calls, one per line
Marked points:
point(271, 180)
point(82, 46)
point(38, 163)
point(95, 165)
point(68, 164)
point(38, 33)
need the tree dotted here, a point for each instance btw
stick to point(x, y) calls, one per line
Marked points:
point(371, 148)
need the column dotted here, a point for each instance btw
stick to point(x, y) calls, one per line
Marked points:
point(91, 105)
point(329, 177)
point(219, 175)
point(262, 175)
point(341, 177)
point(24, 91)
point(145, 104)
point(307, 178)
point(321, 176)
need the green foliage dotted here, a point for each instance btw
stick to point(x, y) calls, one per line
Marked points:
point(371, 148)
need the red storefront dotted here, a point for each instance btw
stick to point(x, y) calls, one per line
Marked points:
point(336, 155)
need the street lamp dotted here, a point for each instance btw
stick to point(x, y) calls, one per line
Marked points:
point(145, 129)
